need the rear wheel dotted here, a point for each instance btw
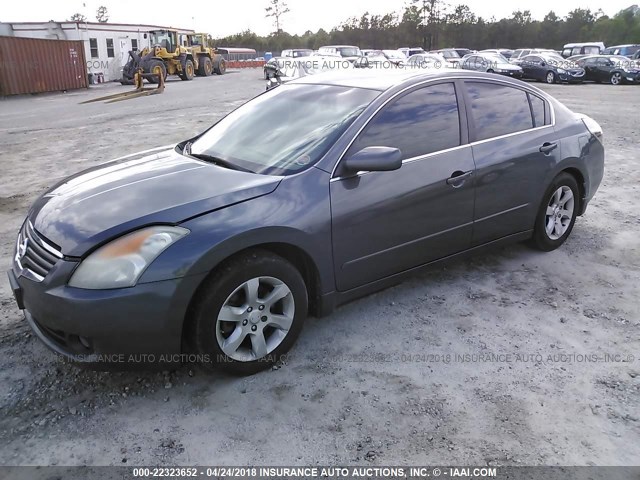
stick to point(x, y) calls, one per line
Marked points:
point(158, 68)
point(557, 213)
point(550, 77)
point(616, 78)
point(250, 313)
point(187, 70)
point(205, 68)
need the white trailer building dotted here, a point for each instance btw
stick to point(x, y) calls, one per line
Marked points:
point(106, 45)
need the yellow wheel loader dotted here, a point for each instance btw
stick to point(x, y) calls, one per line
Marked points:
point(166, 56)
point(208, 60)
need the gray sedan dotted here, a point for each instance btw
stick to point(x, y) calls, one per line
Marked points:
point(491, 63)
point(310, 195)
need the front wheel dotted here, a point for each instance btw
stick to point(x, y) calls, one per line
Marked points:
point(557, 213)
point(616, 78)
point(551, 77)
point(249, 313)
point(188, 71)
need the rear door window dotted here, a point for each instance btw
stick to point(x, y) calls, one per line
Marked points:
point(498, 109)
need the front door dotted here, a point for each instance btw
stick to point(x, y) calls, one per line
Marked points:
point(387, 222)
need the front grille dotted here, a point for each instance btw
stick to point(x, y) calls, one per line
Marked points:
point(35, 254)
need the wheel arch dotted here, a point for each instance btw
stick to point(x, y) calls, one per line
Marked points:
point(582, 186)
point(294, 254)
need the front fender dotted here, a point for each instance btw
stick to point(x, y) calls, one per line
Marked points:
point(297, 213)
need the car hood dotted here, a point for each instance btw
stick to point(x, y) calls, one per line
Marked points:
point(101, 203)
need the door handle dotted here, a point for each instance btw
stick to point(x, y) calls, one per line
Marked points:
point(458, 177)
point(548, 147)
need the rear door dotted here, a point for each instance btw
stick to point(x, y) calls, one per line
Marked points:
point(387, 222)
point(590, 68)
point(514, 146)
point(605, 66)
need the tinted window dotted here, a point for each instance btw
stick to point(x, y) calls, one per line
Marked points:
point(498, 109)
point(296, 123)
point(420, 122)
point(537, 107)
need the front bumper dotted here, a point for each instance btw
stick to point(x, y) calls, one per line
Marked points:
point(131, 327)
point(630, 77)
point(511, 73)
point(571, 77)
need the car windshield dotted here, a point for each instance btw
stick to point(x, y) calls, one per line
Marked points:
point(286, 129)
point(302, 53)
point(394, 54)
point(495, 57)
point(450, 54)
point(349, 51)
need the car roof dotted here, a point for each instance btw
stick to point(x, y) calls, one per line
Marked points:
point(387, 79)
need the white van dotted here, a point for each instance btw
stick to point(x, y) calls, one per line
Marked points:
point(585, 48)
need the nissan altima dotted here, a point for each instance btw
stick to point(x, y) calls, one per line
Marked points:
point(310, 195)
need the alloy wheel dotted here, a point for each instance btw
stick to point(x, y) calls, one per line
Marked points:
point(255, 319)
point(616, 78)
point(559, 212)
point(551, 77)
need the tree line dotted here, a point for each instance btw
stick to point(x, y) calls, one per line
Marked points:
point(432, 24)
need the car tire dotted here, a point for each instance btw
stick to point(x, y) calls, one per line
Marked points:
point(205, 67)
point(188, 71)
point(550, 77)
point(490, 71)
point(616, 79)
point(557, 213)
point(239, 291)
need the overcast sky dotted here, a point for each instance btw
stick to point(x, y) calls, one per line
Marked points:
point(225, 17)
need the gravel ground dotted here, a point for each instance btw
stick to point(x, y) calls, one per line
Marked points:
point(383, 380)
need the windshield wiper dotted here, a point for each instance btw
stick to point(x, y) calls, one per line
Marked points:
point(212, 159)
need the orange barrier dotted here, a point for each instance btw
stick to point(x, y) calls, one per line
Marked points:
point(245, 64)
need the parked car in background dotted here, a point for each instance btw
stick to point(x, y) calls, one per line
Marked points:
point(636, 56)
point(463, 51)
point(589, 48)
point(624, 50)
point(291, 68)
point(614, 69)
point(575, 58)
point(395, 56)
point(428, 60)
point(411, 51)
point(550, 68)
point(376, 58)
point(505, 52)
point(491, 63)
point(451, 55)
point(523, 52)
point(221, 246)
point(297, 52)
point(350, 53)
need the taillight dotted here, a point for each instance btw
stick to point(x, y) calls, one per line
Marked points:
point(593, 126)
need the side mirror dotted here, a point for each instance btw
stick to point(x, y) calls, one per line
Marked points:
point(374, 159)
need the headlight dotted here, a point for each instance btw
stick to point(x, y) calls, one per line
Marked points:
point(121, 262)
point(562, 70)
